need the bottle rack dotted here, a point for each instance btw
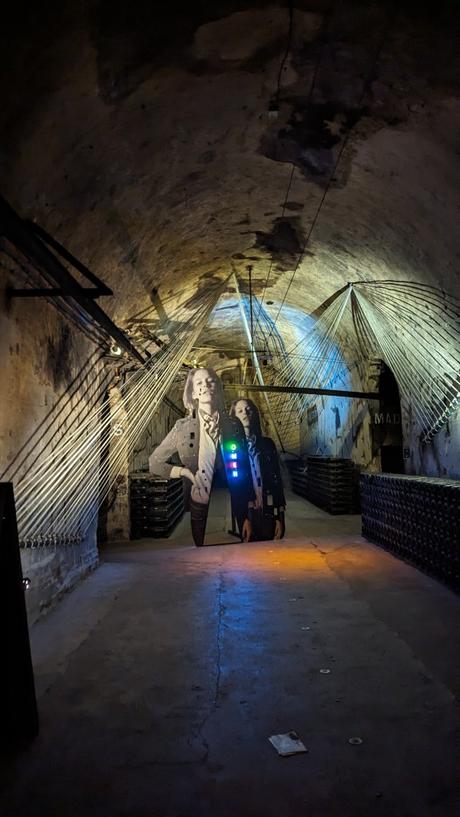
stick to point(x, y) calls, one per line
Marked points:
point(156, 505)
point(417, 518)
point(328, 482)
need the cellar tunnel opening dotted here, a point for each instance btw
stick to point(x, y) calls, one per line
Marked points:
point(388, 422)
point(228, 243)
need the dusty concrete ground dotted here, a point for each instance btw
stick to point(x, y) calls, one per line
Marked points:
point(161, 678)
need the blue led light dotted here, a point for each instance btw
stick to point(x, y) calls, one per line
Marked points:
point(235, 473)
point(233, 456)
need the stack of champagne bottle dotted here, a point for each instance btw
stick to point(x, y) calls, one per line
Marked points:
point(156, 505)
point(328, 482)
point(416, 518)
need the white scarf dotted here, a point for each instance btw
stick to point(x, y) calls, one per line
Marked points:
point(209, 439)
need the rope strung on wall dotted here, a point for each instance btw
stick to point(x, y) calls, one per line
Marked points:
point(313, 361)
point(319, 367)
point(415, 328)
point(60, 497)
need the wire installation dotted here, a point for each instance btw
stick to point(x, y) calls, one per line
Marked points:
point(326, 24)
point(58, 500)
point(415, 328)
point(365, 87)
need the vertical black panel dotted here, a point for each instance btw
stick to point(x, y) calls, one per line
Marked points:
point(19, 717)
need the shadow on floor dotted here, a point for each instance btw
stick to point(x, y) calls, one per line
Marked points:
point(161, 678)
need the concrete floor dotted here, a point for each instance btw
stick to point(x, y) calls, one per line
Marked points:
point(161, 678)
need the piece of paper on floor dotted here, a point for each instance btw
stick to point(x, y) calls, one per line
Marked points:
point(288, 744)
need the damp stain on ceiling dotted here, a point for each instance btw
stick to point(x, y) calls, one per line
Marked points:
point(168, 148)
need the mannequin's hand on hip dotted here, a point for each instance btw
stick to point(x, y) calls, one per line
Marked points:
point(184, 472)
point(200, 492)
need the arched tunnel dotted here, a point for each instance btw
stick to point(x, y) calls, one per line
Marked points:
point(229, 428)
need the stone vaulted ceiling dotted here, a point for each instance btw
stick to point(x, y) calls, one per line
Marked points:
point(167, 145)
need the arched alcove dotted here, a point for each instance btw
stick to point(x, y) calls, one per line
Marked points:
point(387, 423)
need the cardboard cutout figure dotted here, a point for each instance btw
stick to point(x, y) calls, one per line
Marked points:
point(267, 516)
point(207, 439)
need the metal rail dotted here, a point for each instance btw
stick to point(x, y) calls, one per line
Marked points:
point(20, 234)
point(299, 390)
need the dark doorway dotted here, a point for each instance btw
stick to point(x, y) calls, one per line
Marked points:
point(388, 424)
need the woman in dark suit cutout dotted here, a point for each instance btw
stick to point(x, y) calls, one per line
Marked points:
point(268, 513)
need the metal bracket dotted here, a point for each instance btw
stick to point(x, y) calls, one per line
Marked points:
point(48, 292)
point(360, 395)
point(58, 292)
point(36, 245)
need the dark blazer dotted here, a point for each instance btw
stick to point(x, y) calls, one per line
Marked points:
point(184, 439)
point(272, 484)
